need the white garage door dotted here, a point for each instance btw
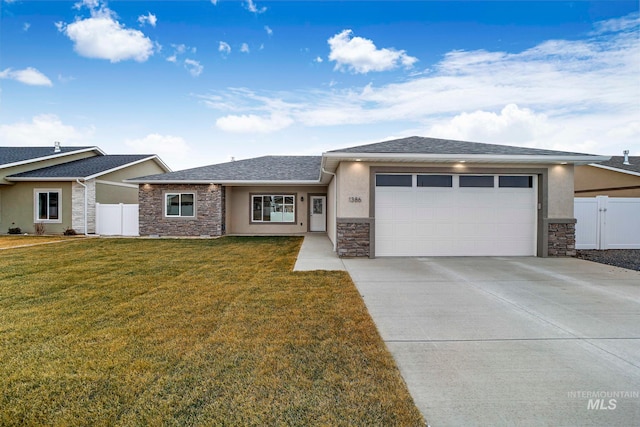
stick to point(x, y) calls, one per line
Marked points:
point(455, 215)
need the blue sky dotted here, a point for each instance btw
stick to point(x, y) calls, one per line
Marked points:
point(199, 82)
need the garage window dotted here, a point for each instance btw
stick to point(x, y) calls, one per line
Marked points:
point(435, 181)
point(394, 180)
point(515, 181)
point(476, 181)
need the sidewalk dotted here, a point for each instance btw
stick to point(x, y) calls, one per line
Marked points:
point(317, 253)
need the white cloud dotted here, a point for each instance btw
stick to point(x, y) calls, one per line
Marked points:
point(360, 55)
point(252, 123)
point(170, 148)
point(214, 2)
point(224, 48)
point(512, 125)
point(194, 67)
point(29, 76)
point(26, 26)
point(102, 36)
point(268, 30)
point(173, 58)
point(42, 130)
point(252, 7)
point(244, 48)
point(149, 18)
point(574, 95)
point(318, 59)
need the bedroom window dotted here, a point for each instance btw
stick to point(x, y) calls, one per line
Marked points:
point(47, 205)
point(180, 204)
point(273, 208)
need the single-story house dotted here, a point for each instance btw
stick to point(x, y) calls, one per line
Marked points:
point(616, 177)
point(406, 197)
point(60, 186)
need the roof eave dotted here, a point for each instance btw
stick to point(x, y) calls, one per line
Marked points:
point(53, 156)
point(454, 158)
point(154, 157)
point(46, 179)
point(224, 182)
point(614, 169)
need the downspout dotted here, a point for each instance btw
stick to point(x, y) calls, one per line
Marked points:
point(335, 203)
point(86, 232)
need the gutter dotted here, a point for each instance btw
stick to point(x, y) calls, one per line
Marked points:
point(86, 231)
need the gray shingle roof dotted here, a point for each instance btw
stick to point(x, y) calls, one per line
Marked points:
point(267, 168)
point(10, 155)
point(420, 145)
point(616, 162)
point(83, 167)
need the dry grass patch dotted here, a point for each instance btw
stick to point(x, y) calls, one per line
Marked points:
point(188, 332)
point(13, 241)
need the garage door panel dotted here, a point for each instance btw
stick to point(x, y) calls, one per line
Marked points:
point(452, 221)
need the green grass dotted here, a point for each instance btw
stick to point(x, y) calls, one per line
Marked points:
point(188, 332)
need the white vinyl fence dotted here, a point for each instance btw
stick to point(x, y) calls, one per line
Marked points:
point(117, 220)
point(607, 223)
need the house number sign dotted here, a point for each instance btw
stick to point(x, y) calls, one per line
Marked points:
point(355, 199)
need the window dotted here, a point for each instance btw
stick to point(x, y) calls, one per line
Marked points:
point(435, 181)
point(273, 208)
point(394, 181)
point(515, 181)
point(47, 205)
point(180, 204)
point(476, 181)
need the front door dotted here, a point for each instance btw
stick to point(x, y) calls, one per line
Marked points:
point(318, 215)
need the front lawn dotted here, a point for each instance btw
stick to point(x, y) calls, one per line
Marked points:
point(188, 332)
point(17, 240)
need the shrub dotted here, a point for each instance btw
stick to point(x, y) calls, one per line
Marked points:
point(15, 230)
point(70, 232)
point(39, 228)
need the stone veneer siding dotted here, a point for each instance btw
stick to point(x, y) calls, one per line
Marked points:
point(562, 238)
point(353, 238)
point(209, 206)
point(77, 206)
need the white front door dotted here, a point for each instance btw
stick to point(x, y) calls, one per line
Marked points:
point(318, 214)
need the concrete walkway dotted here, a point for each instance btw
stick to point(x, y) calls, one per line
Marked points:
point(317, 253)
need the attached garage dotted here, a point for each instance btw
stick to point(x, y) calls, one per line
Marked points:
point(424, 214)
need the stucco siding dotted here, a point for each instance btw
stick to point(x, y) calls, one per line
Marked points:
point(560, 202)
point(592, 181)
point(18, 206)
point(239, 208)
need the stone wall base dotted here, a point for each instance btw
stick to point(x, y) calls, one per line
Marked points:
point(562, 238)
point(354, 238)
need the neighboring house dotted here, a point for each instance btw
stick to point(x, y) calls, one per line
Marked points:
point(60, 186)
point(407, 197)
point(617, 177)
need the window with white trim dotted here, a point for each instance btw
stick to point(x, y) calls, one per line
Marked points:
point(180, 205)
point(48, 205)
point(273, 208)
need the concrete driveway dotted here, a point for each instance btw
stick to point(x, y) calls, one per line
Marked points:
point(510, 341)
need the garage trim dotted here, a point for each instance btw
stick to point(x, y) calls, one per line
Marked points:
point(542, 238)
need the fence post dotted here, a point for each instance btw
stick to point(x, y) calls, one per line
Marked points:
point(602, 221)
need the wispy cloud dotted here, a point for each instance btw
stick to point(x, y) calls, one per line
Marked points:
point(26, 26)
point(244, 48)
point(268, 30)
point(149, 18)
point(224, 48)
point(361, 55)
point(194, 67)
point(252, 7)
point(101, 36)
point(168, 147)
point(579, 95)
point(29, 76)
